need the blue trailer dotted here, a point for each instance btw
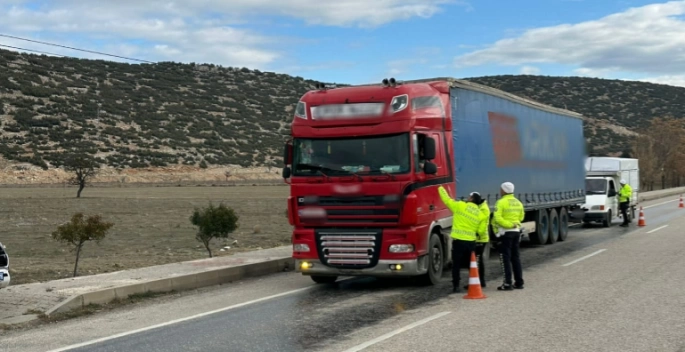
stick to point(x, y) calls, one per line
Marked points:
point(500, 137)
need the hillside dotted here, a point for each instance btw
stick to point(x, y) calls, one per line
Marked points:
point(142, 115)
point(191, 115)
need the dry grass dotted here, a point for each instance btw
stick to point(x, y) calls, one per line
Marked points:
point(151, 226)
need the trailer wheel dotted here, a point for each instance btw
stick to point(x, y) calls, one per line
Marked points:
point(435, 262)
point(563, 224)
point(553, 227)
point(324, 279)
point(541, 227)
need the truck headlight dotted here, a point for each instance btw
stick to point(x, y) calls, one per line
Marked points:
point(300, 247)
point(401, 248)
point(399, 103)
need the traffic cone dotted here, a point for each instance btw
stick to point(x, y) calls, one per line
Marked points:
point(475, 291)
point(641, 222)
point(681, 205)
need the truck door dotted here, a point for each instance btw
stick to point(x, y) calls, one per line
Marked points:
point(612, 202)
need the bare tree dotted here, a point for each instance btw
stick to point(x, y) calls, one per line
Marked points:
point(79, 230)
point(84, 169)
point(661, 149)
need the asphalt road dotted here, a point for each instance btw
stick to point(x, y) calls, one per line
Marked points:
point(286, 312)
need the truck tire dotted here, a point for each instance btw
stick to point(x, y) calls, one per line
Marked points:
point(563, 224)
point(324, 279)
point(553, 227)
point(608, 219)
point(541, 227)
point(435, 261)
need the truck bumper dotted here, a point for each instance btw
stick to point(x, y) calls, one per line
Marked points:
point(594, 216)
point(382, 269)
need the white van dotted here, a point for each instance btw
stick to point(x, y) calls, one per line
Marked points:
point(602, 185)
point(4, 267)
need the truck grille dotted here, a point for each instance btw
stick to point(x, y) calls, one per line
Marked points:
point(357, 210)
point(348, 249)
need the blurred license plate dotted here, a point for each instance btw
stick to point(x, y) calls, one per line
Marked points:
point(347, 110)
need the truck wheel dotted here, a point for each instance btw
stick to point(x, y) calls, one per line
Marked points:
point(324, 279)
point(563, 224)
point(435, 262)
point(608, 219)
point(541, 227)
point(553, 227)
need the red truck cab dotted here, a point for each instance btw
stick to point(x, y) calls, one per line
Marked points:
point(364, 165)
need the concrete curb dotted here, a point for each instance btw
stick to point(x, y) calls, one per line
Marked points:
point(662, 194)
point(176, 283)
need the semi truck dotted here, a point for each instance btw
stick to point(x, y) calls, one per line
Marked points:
point(364, 164)
point(602, 185)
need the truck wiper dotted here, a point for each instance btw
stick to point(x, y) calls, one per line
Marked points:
point(361, 179)
point(317, 168)
point(392, 177)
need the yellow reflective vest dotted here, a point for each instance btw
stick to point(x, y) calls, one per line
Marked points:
point(467, 218)
point(625, 193)
point(508, 213)
point(483, 236)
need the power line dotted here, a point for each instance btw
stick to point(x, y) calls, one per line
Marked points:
point(31, 50)
point(77, 49)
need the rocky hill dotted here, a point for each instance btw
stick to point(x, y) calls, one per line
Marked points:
point(142, 115)
point(170, 115)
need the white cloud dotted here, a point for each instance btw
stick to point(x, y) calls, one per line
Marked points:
point(198, 30)
point(530, 70)
point(648, 39)
point(671, 80)
point(398, 67)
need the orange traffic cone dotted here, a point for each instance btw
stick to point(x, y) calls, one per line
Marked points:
point(641, 222)
point(475, 291)
point(681, 205)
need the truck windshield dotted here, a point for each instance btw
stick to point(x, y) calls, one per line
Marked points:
point(360, 155)
point(595, 186)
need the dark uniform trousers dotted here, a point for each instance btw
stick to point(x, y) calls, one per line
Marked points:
point(460, 250)
point(510, 258)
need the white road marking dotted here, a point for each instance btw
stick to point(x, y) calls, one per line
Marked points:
point(658, 204)
point(395, 332)
point(657, 229)
point(179, 320)
point(585, 257)
point(574, 225)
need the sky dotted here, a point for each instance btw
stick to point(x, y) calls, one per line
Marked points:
point(364, 41)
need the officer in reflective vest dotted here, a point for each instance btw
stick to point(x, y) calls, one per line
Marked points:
point(624, 201)
point(482, 236)
point(466, 221)
point(507, 220)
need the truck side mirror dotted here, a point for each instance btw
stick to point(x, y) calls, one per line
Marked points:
point(286, 172)
point(428, 148)
point(288, 154)
point(430, 168)
point(612, 193)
